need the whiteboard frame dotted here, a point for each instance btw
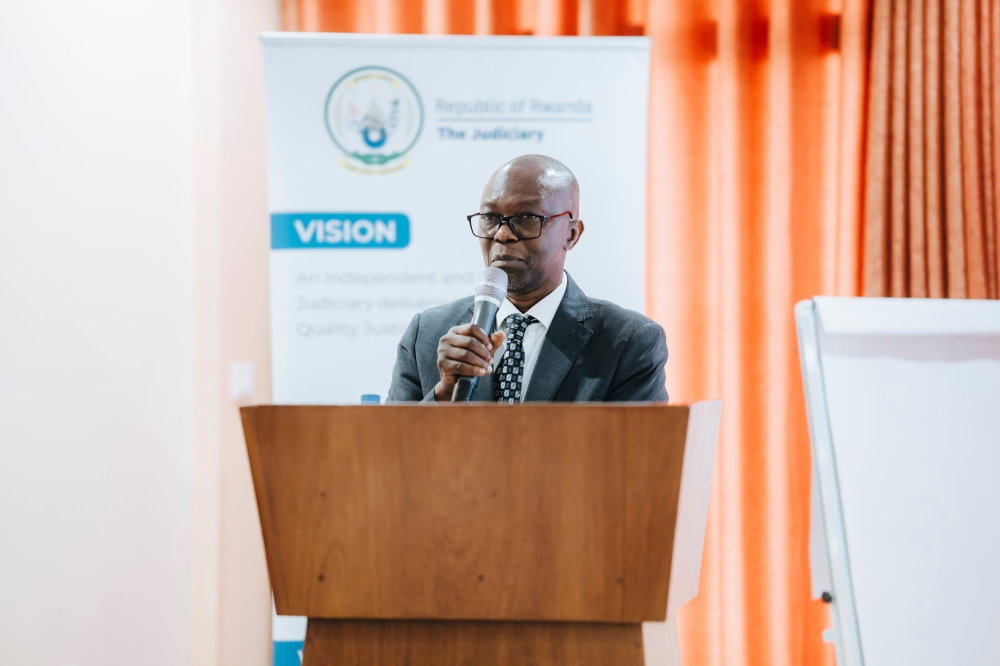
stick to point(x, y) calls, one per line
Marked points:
point(829, 564)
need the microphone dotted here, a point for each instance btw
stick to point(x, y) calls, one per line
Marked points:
point(491, 290)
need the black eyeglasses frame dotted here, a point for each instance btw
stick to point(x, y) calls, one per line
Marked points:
point(542, 219)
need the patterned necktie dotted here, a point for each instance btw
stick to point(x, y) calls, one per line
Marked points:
point(510, 372)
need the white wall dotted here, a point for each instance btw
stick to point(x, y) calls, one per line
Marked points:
point(242, 246)
point(127, 530)
point(97, 332)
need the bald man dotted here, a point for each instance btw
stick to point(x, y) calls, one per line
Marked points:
point(552, 342)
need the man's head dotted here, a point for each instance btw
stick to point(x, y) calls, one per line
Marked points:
point(539, 185)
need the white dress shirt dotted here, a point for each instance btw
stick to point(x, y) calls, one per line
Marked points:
point(544, 311)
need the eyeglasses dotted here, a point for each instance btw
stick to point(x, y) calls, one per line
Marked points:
point(523, 225)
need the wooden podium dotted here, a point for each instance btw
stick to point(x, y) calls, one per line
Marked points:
point(481, 534)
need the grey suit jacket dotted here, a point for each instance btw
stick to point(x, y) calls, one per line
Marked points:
point(594, 351)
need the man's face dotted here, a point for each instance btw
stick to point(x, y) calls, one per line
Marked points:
point(528, 263)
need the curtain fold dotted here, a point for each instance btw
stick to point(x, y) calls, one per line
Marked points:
point(756, 139)
point(931, 181)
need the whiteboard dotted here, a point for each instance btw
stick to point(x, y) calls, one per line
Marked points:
point(903, 397)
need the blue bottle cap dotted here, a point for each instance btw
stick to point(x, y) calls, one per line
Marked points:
point(371, 399)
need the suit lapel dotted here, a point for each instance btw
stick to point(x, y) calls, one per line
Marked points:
point(563, 344)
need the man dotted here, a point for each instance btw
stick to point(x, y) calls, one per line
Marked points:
point(552, 342)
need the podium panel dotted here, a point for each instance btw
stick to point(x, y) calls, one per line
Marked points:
point(521, 534)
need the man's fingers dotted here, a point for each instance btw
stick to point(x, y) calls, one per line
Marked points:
point(466, 356)
point(497, 339)
point(467, 351)
point(455, 339)
point(473, 331)
point(464, 369)
point(464, 351)
point(472, 344)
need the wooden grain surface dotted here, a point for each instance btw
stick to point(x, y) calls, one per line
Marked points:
point(534, 512)
point(464, 643)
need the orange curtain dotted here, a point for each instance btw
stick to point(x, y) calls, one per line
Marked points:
point(932, 185)
point(756, 133)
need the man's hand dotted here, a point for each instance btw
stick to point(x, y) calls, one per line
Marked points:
point(464, 351)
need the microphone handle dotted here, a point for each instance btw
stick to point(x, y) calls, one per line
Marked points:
point(484, 316)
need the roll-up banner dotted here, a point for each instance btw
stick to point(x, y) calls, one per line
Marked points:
point(379, 146)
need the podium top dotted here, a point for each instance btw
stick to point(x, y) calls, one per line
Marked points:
point(561, 512)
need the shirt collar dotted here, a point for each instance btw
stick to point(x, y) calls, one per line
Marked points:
point(544, 310)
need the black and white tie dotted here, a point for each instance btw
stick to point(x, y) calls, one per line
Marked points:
point(509, 374)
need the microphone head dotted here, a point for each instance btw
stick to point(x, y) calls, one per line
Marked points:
point(492, 285)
